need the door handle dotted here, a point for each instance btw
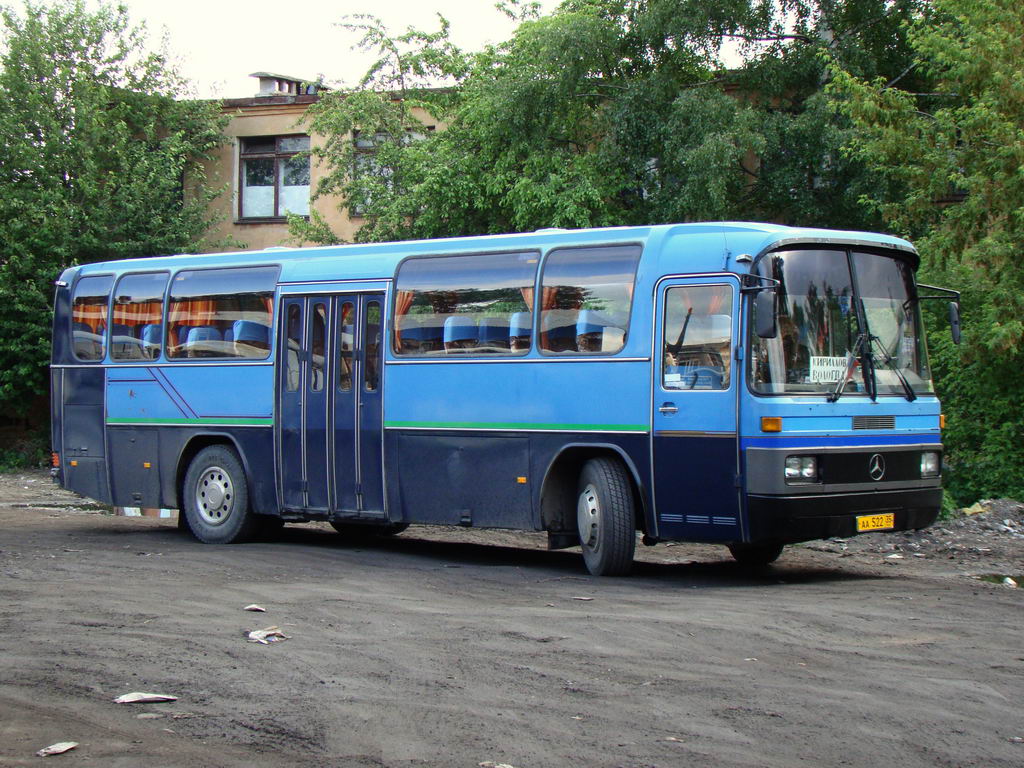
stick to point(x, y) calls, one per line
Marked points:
point(668, 408)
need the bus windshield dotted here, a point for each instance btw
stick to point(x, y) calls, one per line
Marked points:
point(822, 334)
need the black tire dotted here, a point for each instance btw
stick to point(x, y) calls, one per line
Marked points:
point(755, 555)
point(215, 497)
point(358, 530)
point(606, 518)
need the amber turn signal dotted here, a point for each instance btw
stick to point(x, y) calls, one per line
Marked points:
point(942, 421)
point(771, 423)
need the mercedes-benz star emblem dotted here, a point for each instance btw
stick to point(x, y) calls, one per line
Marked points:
point(876, 467)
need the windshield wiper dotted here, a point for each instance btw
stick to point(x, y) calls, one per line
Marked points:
point(855, 354)
point(888, 360)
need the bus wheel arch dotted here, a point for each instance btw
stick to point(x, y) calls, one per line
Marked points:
point(559, 494)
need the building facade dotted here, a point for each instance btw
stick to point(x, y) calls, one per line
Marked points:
point(266, 170)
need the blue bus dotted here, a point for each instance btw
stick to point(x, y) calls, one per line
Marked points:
point(746, 384)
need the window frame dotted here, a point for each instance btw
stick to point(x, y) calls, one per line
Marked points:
point(729, 363)
point(278, 156)
point(106, 331)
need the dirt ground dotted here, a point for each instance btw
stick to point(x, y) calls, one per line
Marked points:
point(459, 648)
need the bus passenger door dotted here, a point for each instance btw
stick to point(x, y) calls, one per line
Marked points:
point(357, 430)
point(694, 435)
point(304, 396)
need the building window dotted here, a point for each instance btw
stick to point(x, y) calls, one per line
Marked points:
point(274, 177)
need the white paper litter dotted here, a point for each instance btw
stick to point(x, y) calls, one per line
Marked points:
point(266, 636)
point(584, 599)
point(57, 749)
point(255, 608)
point(143, 698)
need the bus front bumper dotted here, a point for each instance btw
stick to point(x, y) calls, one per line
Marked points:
point(789, 519)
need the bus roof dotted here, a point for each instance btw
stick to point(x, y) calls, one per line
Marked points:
point(722, 242)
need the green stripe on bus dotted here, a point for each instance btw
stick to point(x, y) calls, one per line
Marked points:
point(223, 421)
point(517, 425)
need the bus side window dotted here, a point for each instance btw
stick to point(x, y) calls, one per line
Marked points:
point(89, 317)
point(346, 331)
point(294, 348)
point(586, 299)
point(318, 347)
point(221, 313)
point(371, 347)
point(138, 316)
point(464, 305)
point(697, 337)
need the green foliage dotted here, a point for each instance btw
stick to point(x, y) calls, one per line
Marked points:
point(30, 449)
point(609, 112)
point(95, 141)
point(949, 159)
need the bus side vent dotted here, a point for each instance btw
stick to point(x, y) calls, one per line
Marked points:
point(874, 422)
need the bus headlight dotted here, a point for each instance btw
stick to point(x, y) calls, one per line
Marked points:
point(930, 464)
point(801, 469)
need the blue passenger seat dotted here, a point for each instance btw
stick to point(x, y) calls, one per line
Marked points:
point(410, 334)
point(520, 328)
point(460, 333)
point(251, 339)
point(493, 333)
point(204, 341)
point(560, 330)
point(151, 338)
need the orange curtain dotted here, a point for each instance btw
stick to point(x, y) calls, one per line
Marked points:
point(190, 312)
point(548, 294)
point(403, 300)
point(93, 315)
point(140, 313)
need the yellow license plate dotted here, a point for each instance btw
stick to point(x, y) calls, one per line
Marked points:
point(876, 522)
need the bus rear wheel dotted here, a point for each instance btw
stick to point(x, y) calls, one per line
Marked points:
point(605, 517)
point(755, 555)
point(215, 497)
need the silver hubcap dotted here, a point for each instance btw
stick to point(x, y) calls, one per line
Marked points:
point(588, 516)
point(215, 497)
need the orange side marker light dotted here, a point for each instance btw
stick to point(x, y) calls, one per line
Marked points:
point(771, 423)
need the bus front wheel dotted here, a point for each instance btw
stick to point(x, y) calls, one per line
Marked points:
point(216, 497)
point(605, 517)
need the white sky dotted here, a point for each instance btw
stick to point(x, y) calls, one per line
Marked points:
point(218, 43)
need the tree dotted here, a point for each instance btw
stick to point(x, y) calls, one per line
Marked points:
point(613, 112)
point(96, 139)
point(949, 159)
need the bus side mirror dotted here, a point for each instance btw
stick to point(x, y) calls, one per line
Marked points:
point(765, 311)
point(954, 321)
